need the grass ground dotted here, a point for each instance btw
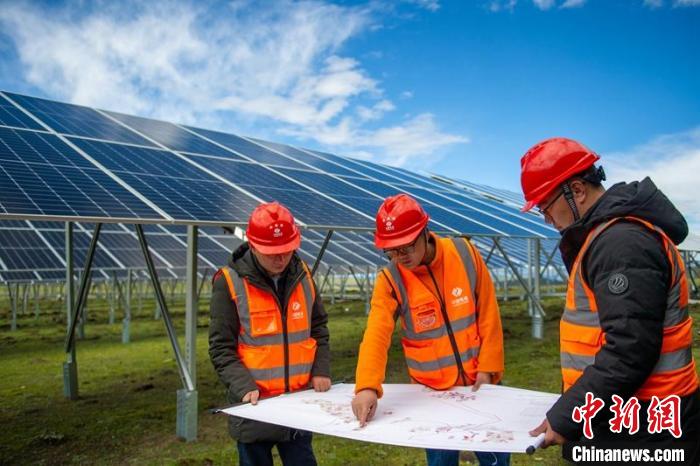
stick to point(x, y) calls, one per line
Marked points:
point(126, 410)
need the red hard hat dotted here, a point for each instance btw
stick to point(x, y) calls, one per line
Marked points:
point(548, 164)
point(271, 229)
point(400, 220)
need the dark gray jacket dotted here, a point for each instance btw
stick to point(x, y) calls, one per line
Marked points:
point(224, 329)
point(632, 320)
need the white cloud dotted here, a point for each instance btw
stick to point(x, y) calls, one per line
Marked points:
point(543, 4)
point(673, 163)
point(406, 143)
point(499, 5)
point(279, 65)
point(654, 3)
point(573, 4)
point(430, 5)
point(686, 3)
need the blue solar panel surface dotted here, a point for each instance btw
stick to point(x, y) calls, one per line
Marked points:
point(180, 189)
point(306, 205)
point(251, 150)
point(77, 120)
point(12, 116)
point(41, 175)
point(171, 135)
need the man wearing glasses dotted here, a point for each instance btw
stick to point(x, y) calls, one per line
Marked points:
point(443, 294)
point(625, 329)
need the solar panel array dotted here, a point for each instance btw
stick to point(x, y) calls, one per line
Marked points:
point(64, 162)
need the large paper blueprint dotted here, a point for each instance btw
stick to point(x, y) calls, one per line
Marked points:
point(495, 418)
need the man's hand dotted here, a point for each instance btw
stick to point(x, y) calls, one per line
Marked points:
point(321, 383)
point(481, 378)
point(364, 405)
point(251, 396)
point(550, 436)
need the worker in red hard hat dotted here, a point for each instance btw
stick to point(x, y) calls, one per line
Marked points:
point(443, 294)
point(625, 329)
point(268, 333)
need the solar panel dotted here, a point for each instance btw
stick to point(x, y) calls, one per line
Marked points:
point(12, 116)
point(252, 150)
point(41, 175)
point(307, 206)
point(23, 249)
point(171, 136)
point(341, 190)
point(174, 185)
point(306, 157)
point(77, 120)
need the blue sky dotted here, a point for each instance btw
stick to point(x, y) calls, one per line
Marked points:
point(460, 88)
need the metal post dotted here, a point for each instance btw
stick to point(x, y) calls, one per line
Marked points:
point(333, 288)
point(506, 284)
point(187, 399)
point(36, 288)
point(126, 322)
point(70, 367)
point(537, 321)
point(317, 262)
point(343, 282)
point(112, 296)
point(13, 305)
point(25, 299)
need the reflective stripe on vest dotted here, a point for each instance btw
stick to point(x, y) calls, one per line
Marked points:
point(429, 355)
point(581, 335)
point(261, 345)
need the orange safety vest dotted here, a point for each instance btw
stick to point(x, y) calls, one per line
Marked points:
point(276, 348)
point(581, 335)
point(438, 338)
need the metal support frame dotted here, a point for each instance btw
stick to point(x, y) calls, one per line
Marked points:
point(187, 397)
point(537, 320)
point(70, 369)
point(13, 306)
point(360, 285)
point(517, 274)
point(112, 297)
point(36, 288)
point(317, 262)
point(126, 321)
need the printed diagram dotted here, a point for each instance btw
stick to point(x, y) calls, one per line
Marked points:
point(495, 418)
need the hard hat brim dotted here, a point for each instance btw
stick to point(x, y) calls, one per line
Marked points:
point(293, 245)
point(400, 240)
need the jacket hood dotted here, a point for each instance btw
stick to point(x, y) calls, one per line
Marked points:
point(640, 199)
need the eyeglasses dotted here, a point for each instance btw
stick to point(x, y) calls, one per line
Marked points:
point(403, 250)
point(543, 210)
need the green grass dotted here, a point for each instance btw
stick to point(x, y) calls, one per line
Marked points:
point(126, 410)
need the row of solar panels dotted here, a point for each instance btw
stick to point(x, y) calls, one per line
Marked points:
point(35, 251)
point(61, 161)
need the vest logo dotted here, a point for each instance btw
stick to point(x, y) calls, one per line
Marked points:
point(618, 283)
point(427, 320)
point(297, 313)
point(459, 299)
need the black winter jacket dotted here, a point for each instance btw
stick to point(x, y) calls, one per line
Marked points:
point(632, 320)
point(224, 329)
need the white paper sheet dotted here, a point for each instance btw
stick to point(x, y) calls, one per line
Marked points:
point(495, 418)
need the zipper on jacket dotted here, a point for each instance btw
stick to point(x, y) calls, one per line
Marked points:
point(450, 333)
